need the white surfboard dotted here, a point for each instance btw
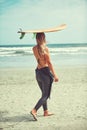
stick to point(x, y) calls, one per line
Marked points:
point(57, 28)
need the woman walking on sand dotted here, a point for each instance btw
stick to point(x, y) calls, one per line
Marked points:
point(45, 74)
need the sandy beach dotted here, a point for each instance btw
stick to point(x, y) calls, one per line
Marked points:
point(19, 93)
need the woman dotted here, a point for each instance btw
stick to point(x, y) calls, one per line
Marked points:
point(45, 73)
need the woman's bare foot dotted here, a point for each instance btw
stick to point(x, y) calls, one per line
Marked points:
point(34, 113)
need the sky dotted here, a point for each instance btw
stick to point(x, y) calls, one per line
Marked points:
point(39, 14)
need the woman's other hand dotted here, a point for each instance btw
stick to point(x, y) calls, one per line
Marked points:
point(56, 79)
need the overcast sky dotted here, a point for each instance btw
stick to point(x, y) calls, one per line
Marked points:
point(37, 14)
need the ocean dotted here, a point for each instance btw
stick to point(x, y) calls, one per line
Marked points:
point(61, 55)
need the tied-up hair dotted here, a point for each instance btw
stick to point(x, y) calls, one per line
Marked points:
point(40, 38)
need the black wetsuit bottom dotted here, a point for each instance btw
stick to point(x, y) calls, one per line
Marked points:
point(44, 79)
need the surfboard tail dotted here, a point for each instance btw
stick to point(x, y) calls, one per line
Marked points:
point(22, 33)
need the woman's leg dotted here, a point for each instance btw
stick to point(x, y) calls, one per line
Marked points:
point(45, 104)
point(44, 86)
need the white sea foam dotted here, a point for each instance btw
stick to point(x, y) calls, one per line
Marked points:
point(14, 51)
point(71, 50)
point(22, 51)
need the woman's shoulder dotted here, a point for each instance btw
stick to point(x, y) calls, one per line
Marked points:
point(47, 49)
point(34, 47)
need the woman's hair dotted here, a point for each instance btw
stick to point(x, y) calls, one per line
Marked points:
point(40, 38)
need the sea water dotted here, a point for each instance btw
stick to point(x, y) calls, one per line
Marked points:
point(61, 55)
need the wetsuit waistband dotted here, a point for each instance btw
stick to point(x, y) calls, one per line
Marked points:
point(41, 69)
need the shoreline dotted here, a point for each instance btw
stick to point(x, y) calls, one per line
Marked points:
point(56, 66)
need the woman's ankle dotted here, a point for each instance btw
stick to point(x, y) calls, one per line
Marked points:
point(46, 113)
point(34, 111)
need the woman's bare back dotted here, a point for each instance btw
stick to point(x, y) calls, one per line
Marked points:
point(42, 56)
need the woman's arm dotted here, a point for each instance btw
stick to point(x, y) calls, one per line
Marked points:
point(51, 66)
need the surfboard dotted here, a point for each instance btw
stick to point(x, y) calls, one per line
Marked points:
point(57, 28)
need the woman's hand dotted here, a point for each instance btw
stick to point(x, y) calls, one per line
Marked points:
point(56, 79)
